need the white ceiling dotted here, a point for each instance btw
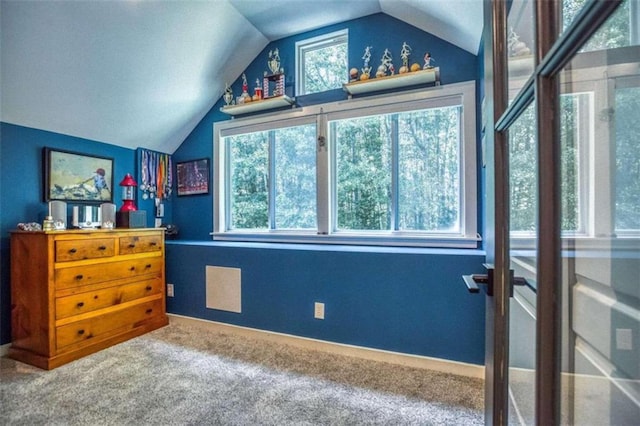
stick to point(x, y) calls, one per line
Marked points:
point(144, 73)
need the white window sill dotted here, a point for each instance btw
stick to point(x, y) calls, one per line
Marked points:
point(345, 239)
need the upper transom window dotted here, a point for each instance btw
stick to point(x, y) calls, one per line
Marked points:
point(321, 63)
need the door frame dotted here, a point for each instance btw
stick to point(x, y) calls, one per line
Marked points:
point(497, 214)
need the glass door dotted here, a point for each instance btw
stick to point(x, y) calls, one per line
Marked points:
point(567, 191)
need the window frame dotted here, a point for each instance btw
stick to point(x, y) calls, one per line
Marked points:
point(302, 46)
point(467, 237)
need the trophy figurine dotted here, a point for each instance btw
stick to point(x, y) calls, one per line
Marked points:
point(228, 95)
point(404, 54)
point(366, 70)
point(274, 61)
point(244, 97)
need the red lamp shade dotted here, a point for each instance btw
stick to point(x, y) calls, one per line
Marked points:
point(128, 185)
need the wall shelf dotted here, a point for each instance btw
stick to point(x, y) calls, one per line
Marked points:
point(519, 66)
point(264, 104)
point(393, 81)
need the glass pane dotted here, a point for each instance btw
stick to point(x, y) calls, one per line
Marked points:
point(523, 175)
point(295, 177)
point(429, 170)
point(325, 68)
point(523, 206)
point(601, 267)
point(627, 129)
point(363, 173)
point(249, 159)
point(576, 110)
point(520, 44)
point(621, 29)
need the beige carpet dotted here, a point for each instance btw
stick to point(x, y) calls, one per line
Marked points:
point(183, 375)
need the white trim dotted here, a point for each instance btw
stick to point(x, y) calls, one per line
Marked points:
point(4, 349)
point(408, 360)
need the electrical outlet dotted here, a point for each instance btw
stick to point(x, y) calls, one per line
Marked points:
point(624, 339)
point(169, 290)
point(318, 312)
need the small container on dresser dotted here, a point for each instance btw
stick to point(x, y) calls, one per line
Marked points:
point(76, 292)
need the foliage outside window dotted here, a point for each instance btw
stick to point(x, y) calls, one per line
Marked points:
point(420, 150)
point(575, 143)
point(616, 32)
point(627, 166)
point(391, 170)
point(600, 162)
point(293, 173)
point(321, 63)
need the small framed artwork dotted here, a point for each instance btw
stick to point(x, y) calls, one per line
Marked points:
point(76, 177)
point(193, 177)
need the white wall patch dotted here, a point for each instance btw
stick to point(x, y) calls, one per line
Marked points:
point(223, 290)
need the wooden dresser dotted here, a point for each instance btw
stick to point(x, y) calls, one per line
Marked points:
point(79, 291)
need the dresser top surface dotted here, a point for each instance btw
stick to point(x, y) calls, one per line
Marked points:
point(86, 231)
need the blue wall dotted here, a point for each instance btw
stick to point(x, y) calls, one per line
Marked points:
point(410, 301)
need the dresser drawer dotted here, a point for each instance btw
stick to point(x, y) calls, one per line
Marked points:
point(140, 244)
point(92, 274)
point(93, 300)
point(70, 250)
point(105, 325)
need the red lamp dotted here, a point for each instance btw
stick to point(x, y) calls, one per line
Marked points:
point(128, 185)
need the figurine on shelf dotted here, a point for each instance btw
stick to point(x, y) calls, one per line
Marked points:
point(366, 71)
point(245, 97)
point(427, 61)
point(404, 54)
point(257, 92)
point(274, 61)
point(353, 75)
point(228, 96)
point(385, 64)
point(515, 46)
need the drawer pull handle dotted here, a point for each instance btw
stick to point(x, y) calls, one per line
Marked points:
point(133, 268)
point(149, 310)
point(80, 332)
point(148, 266)
point(79, 277)
point(73, 250)
point(102, 248)
point(132, 245)
point(148, 288)
point(80, 304)
point(153, 243)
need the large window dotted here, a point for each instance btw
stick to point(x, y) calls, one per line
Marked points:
point(389, 170)
point(595, 202)
point(278, 165)
point(321, 63)
point(577, 142)
point(399, 172)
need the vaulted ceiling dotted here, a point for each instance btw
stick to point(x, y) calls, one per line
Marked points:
point(140, 73)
